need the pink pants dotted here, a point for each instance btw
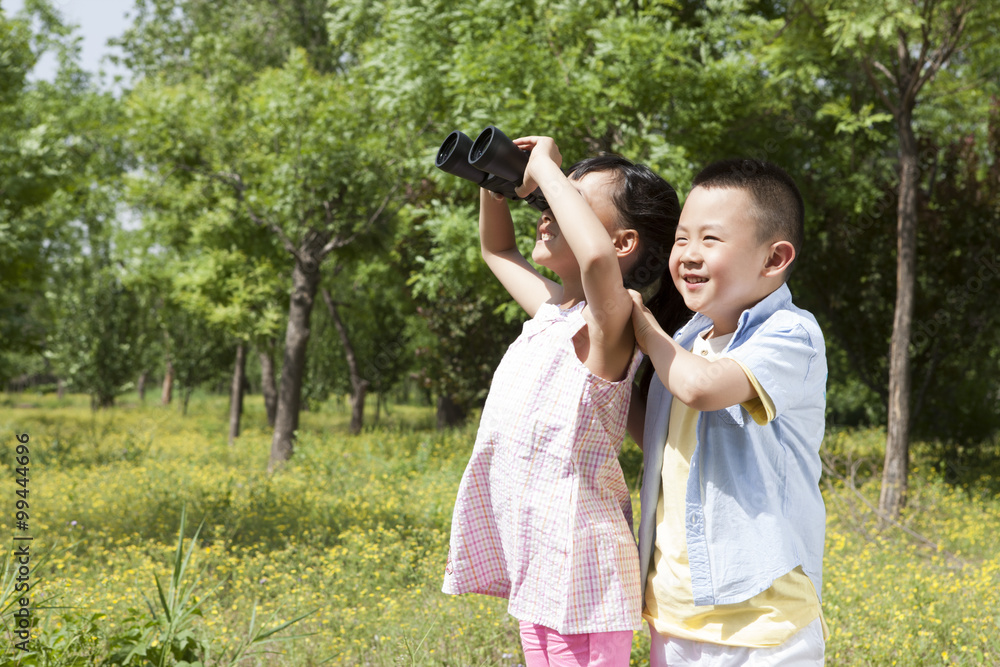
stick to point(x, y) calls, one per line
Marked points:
point(544, 647)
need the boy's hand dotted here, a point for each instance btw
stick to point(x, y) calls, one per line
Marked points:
point(643, 322)
point(543, 149)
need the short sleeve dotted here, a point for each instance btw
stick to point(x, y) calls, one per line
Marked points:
point(779, 359)
point(761, 408)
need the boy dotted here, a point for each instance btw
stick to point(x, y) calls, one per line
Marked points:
point(732, 527)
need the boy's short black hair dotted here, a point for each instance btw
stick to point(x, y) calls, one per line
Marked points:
point(778, 209)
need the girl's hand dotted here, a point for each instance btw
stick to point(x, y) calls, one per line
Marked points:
point(543, 149)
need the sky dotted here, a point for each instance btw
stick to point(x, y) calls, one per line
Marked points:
point(98, 20)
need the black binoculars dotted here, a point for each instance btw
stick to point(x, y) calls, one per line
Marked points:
point(492, 161)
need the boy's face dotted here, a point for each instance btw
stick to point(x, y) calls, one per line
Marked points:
point(717, 263)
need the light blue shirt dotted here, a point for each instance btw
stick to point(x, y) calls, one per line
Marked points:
point(754, 510)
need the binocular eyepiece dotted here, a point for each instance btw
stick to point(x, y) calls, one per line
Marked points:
point(492, 161)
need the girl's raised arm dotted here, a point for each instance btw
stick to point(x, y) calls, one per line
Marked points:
point(499, 248)
point(593, 247)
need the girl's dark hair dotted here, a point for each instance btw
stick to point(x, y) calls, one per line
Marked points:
point(649, 205)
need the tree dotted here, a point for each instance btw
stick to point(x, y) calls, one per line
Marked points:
point(579, 73)
point(179, 39)
point(464, 310)
point(39, 155)
point(61, 164)
point(232, 291)
point(100, 330)
point(290, 137)
point(199, 351)
point(362, 345)
point(902, 47)
point(294, 151)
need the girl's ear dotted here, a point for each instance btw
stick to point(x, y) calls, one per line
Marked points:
point(779, 258)
point(626, 242)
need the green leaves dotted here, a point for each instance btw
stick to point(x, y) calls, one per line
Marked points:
point(99, 336)
point(856, 23)
point(850, 121)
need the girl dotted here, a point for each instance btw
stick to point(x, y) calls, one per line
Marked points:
point(543, 515)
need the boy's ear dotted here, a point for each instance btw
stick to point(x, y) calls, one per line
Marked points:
point(779, 258)
point(626, 242)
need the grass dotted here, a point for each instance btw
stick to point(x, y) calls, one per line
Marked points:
point(355, 530)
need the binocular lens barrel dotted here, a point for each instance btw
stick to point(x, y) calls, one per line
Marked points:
point(448, 147)
point(453, 157)
point(492, 161)
point(494, 152)
point(482, 142)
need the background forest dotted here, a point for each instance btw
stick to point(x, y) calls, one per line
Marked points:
point(252, 217)
point(264, 150)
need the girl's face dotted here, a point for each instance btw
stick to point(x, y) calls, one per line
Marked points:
point(551, 249)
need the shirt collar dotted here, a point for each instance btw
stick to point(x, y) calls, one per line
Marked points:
point(779, 299)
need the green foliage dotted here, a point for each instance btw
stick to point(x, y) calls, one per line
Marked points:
point(199, 351)
point(853, 23)
point(376, 310)
point(178, 38)
point(16, 599)
point(368, 552)
point(842, 58)
point(254, 126)
point(40, 153)
point(468, 316)
point(850, 121)
point(259, 169)
point(96, 346)
point(60, 164)
point(166, 635)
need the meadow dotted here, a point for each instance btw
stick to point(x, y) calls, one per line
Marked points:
point(343, 549)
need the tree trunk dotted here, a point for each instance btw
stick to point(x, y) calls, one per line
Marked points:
point(167, 394)
point(449, 413)
point(359, 386)
point(897, 446)
point(236, 392)
point(305, 280)
point(358, 406)
point(60, 388)
point(267, 384)
point(140, 386)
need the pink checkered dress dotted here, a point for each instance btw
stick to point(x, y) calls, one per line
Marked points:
point(543, 515)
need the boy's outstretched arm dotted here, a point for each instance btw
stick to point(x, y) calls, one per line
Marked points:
point(697, 382)
point(499, 249)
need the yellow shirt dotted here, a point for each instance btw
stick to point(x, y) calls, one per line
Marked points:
point(767, 619)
